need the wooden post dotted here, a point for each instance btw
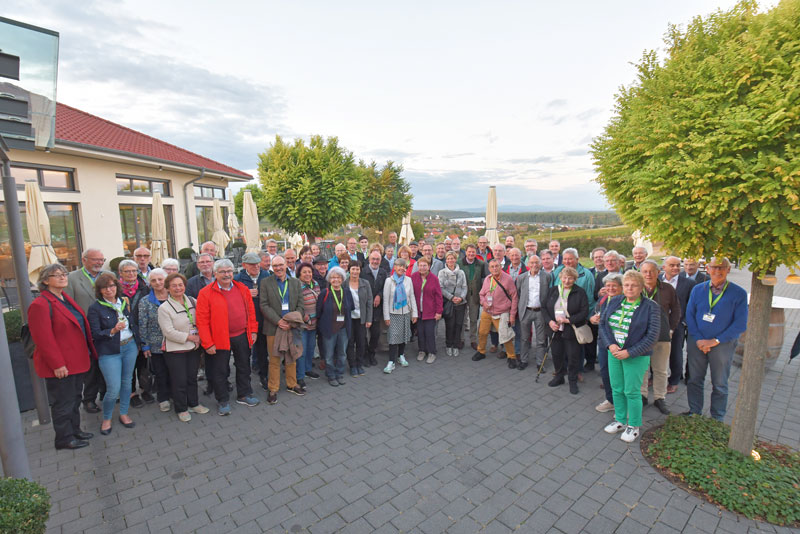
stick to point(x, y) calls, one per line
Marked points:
point(743, 429)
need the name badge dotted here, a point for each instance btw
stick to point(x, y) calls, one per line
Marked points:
point(340, 318)
point(193, 331)
point(489, 299)
point(284, 306)
point(709, 317)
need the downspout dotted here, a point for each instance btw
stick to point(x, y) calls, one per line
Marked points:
point(186, 204)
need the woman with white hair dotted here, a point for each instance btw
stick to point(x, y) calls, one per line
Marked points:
point(334, 323)
point(170, 266)
point(150, 337)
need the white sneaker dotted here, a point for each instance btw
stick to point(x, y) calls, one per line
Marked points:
point(630, 434)
point(420, 356)
point(403, 361)
point(164, 406)
point(185, 417)
point(613, 427)
point(431, 358)
point(604, 406)
point(455, 351)
point(198, 409)
point(449, 351)
point(389, 368)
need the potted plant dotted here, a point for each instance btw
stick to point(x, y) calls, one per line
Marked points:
point(24, 506)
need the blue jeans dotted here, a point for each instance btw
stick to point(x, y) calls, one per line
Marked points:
point(117, 371)
point(304, 362)
point(719, 359)
point(602, 362)
point(334, 349)
point(517, 336)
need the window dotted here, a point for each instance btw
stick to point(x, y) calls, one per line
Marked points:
point(208, 191)
point(138, 185)
point(64, 233)
point(56, 178)
point(136, 221)
point(205, 222)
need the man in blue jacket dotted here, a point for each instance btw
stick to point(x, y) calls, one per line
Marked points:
point(716, 315)
point(251, 276)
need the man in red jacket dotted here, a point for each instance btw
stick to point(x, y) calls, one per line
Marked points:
point(226, 322)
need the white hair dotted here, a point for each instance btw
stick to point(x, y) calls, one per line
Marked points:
point(224, 262)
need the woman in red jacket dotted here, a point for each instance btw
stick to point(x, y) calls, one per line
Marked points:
point(62, 361)
point(428, 294)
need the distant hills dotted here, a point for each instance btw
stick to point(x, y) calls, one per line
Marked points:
point(603, 218)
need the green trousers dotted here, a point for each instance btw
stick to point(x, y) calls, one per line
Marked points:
point(626, 381)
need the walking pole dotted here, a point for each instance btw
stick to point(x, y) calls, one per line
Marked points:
point(544, 359)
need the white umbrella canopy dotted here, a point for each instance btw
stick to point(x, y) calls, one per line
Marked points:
point(250, 221)
point(158, 244)
point(233, 222)
point(220, 238)
point(42, 253)
point(491, 217)
point(406, 233)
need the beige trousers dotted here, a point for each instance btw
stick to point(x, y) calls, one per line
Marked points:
point(659, 363)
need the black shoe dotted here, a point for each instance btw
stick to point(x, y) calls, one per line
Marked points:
point(687, 414)
point(91, 407)
point(512, 363)
point(272, 398)
point(297, 390)
point(136, 402)
point(333, 382)
point(644, 400)
point(127, 425)
point(73, 444)
point(312, 375)
point(661, 405)
point(589, 366)
point(302, 384)
point(478, 357)
point(264, 386)
point(557, 381)
point(372, 360)
point(573, 388)
point(80, 434)
point(106, 431)
point(522, 365)
point(341, 381)
point(148, 398)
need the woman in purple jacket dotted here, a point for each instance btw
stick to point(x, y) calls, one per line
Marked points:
point(428, 294)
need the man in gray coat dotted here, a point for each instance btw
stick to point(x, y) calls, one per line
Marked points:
point(80, 286)
point(532, 288)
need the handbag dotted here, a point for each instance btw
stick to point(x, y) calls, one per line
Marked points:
point(583, 334)
point(447, 309)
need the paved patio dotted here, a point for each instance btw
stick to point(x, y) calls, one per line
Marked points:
point(456, 446)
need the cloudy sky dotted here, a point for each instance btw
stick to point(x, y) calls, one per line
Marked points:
point(463, 94)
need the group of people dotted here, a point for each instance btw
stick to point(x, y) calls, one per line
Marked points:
point(97, 332)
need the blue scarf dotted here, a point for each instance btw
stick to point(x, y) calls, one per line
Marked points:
point(400, 298)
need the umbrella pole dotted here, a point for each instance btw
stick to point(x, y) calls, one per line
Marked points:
point(23, 283)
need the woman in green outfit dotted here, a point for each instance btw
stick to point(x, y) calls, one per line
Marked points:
point(629, 327)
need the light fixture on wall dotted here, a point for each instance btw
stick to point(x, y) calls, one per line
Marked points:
point(160, 168)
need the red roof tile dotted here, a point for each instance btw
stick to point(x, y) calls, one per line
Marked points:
point(76, 126)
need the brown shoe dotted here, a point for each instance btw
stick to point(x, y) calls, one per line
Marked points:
point(472, 344)
point(501, 355)
point(672, 389)
point(493, 349)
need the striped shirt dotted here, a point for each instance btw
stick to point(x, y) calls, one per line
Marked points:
point(620, 320)
point(310, 294)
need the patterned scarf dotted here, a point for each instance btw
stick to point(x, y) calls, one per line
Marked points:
point(129, 288)
point(400, 298)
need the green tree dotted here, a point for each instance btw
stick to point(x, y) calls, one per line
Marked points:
point(258, 197)
point(310, 189)
point(703, 152)
point(385, 194)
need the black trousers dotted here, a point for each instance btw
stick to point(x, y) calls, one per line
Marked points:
point(161, 372)
point(183, 378)
point(676, 355)
point(261, 357)
point(453, 326)
point(144, 374)
point(395, 351)
point(240, 349)
point(375, 331)
point(93, 383)
point(426, 335)
point(65, 396)
point(357, 344)
point(590, 349)
point(567, 356)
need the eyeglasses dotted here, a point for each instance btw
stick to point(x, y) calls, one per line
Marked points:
point(141, 255)
point(97, 259)
point(225, 271)
point(58, 275)
point(128, 271)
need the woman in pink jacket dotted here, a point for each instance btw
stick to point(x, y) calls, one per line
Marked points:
point(428, 294)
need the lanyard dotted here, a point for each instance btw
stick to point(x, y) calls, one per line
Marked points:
point(648, 295)
point(624, 309)
point(713, 303)
point(285, 289)
point(561, 292)
point(338, 299)
point(424, 281)
point(186, 307)
point(114, 307)
point(86, 273)
point(493, 285)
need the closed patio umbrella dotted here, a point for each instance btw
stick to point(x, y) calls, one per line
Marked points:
point(220, 238)
point(233, 221)
point(158, 244)
point(491, 217)
point(42, 252)
point(406, 233)
point(252, 236)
